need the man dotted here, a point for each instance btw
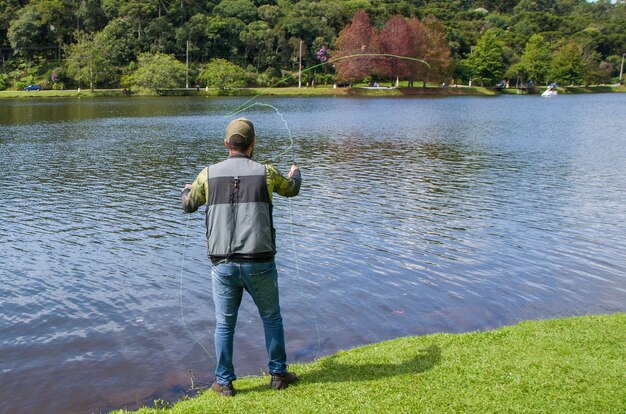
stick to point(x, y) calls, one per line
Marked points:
point(241, 242)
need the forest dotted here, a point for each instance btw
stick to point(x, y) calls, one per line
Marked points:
point(158, 44)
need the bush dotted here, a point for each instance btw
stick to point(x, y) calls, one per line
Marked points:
point(223, 75)
point(4, 81)
point(157, 71)
point(267, 78)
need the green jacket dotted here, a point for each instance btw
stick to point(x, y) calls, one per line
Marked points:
point(276, 183)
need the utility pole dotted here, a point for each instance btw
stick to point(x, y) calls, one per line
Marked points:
point(621, 70)
point(187, 63)
point(300, 67)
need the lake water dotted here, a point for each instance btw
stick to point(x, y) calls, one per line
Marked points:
point(416, 216)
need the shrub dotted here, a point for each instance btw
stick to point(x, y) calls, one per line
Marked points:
point(4, 81)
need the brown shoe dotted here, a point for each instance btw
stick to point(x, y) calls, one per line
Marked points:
point(225, 390)
point(282, 381)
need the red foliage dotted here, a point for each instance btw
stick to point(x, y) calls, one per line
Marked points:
point(438, 50)
point(418, 69)
point(357, 38)
point(396, 38)
point(400, 37)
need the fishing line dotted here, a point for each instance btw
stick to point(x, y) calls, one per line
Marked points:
point(182, 308)
point(244, 107)
point(291, 148)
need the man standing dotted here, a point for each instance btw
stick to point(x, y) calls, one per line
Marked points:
point(241, 242)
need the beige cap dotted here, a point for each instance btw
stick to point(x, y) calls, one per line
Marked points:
point(240, 126)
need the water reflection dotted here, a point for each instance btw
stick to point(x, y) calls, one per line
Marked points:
point(417, 216)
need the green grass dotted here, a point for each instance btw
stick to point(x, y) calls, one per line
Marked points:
point(592, 89)
point(84, 93)
point(573, 365)
point(321, 90)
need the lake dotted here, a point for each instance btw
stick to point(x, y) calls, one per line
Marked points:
point(415, 216)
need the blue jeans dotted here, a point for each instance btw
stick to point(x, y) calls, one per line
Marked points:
point(260, 280)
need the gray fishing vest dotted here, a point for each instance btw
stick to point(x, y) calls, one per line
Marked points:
point(239, 211)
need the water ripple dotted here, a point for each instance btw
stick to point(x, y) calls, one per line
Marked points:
point(416, 216)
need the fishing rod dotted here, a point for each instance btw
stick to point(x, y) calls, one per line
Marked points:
point(243, 107)
point(247, 105)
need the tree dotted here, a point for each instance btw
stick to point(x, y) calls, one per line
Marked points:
point(194, 32)
point(567, 65)
point(270, 14)
point(437, 51)
point(486, 62)
point(397, 38)
point(87, 61)
point(223, 35)
point(244, 10)
point(8, 9)
point(26, 32)
point(57, 19)
point(117, 37)
point(223, 75)
point(160, 35)
point(419, 70)
point(257, 37)
point(157, 71)
point(139, 11)
point(536, 59)
point(359, 37)
point(90, 17)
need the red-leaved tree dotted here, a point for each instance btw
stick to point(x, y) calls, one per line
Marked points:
point(397, 39)
point(437, 50)
point(359, 37)
point(418, 70)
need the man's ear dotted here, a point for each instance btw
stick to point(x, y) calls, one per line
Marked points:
point(226, 144)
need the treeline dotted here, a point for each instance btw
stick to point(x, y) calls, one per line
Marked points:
point(175, 43)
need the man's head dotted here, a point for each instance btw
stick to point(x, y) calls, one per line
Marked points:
point(239, 135)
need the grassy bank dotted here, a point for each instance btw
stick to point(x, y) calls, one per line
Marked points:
point(70, 93)
point(573, 365)
point(281, 91)
point(305, 92)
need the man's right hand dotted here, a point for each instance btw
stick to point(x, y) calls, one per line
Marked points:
point(294, 168)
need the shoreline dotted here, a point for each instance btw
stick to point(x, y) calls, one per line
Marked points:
point(565, 365)
point(427, 92)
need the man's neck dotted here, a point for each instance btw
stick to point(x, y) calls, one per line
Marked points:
point(232, 153)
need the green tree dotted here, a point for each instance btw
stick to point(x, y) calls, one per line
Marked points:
point(244, 10)
point(194, 32)
point(139, 11)
point(57, 17)
point(90, 17)
point(223, 36)
point(270, 14)
point(26, 33)
point(486, 62)
point(160, 35)
point(257, 39)
point(8, 9)
point(223, 75)
point(118, 38)
point(536, 59)
point(87, 61)
point(157, 71)
point(568, 67)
